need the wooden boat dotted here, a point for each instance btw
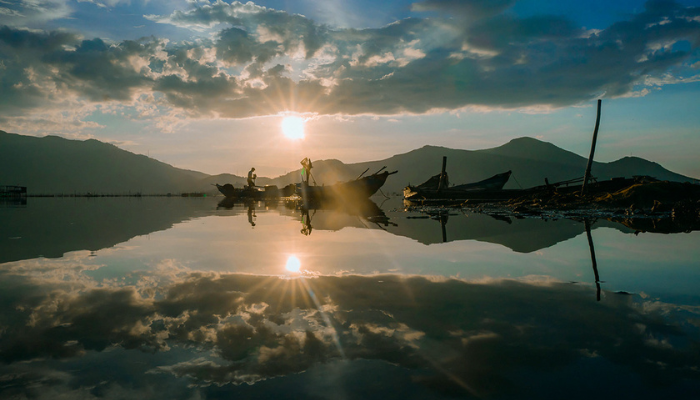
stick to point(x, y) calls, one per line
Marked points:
point(256, 192)
point(231, 192)
point(358, 189)
point(437, 187)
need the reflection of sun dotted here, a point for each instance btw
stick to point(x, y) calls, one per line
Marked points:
point(293, 264)
point(293, 127)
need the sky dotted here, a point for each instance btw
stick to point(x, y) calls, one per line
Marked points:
point(205, 85)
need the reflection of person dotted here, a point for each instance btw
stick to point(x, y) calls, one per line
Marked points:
point(251, 177)
point(305, 222)
point(251, 214)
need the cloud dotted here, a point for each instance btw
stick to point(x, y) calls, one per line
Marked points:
point(472, 9)
point(55, 77)
point(104, 3)
point(255, 61)
point(30, 12)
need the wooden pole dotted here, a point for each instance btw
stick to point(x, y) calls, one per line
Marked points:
point(587, 175)
point(442, 182)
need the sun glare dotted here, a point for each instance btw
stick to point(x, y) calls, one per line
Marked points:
point(293, 127)
point(293, 264)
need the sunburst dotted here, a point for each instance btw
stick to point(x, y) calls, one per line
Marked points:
point(293, 127)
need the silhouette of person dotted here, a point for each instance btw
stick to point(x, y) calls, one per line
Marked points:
point(251, 177)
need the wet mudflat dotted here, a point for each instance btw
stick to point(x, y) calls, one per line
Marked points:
point(199, 298)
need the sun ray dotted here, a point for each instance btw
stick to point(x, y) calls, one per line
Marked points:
point(262, 284)
point(273, 287)
point(293, 295)
point(283, 293)
point(324, 315)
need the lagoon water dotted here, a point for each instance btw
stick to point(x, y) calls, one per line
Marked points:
point(193, 298)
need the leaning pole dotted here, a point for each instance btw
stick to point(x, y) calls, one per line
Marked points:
point(587, 175)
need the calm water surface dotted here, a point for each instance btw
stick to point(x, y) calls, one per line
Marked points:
point(194, 298)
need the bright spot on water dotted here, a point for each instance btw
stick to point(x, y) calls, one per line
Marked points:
point(293, 127)
point(293, 264)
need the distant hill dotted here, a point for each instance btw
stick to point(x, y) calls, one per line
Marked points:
point(531, 161)
point(56, 165)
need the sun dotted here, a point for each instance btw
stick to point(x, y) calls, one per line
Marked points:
point(293, 127)
point(293, 264)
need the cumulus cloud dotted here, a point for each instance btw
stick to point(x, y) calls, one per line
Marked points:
point(254, 61)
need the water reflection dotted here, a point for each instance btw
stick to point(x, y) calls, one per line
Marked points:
point(251, 214)
point(180, 298)
point(594, 263)
point(334, 216)
point(53, 227)
point(293, 264)
point(434, 337)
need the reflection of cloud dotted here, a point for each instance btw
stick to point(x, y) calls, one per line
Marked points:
point(261, 61)
point(68, 272)
point(471, 335)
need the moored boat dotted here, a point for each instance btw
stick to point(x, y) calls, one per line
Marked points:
point(437, 187)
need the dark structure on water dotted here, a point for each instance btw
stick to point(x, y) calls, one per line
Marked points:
point(13, 192)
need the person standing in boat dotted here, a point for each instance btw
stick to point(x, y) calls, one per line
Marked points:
point(306, 170)
point(251, 177)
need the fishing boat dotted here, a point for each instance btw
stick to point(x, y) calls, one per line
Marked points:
point(360, 188)
point(437, 187)
point(255, 192)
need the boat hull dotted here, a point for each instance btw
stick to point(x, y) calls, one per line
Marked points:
point(255, 193)
point(359, 189)
point(487, 188)
point(506, 195)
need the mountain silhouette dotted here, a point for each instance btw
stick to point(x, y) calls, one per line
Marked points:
point(54, 165)
point(531, 161)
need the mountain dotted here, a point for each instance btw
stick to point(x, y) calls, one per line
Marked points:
point(531, 161)
point(56, 165)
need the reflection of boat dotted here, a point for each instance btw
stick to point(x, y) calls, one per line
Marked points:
point(354, 190)
point(438, 186)
point(660, 225)
point(330, 214)
point(436, 225)
point(228, 203)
